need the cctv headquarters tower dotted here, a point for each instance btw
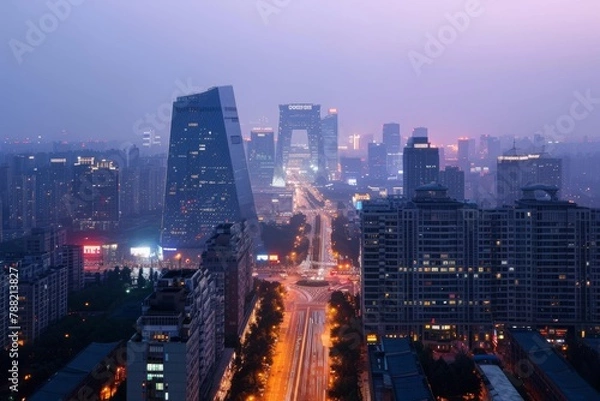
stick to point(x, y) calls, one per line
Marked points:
point(299, 117)
point(207, 177)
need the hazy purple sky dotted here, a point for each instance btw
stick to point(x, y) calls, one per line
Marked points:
point(109, 63)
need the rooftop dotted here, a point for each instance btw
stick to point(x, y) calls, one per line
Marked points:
point(65, 381)
point(555, 367)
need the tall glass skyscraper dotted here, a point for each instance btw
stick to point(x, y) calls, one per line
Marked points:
point(207, 177)
point(421, 162)
point(329, 131)
point(393, 144)
point(261, 157)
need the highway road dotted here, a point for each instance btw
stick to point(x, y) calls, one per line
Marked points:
point(300, 370)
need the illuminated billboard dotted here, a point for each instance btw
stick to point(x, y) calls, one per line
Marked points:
point(140, 251)
point(92, 250)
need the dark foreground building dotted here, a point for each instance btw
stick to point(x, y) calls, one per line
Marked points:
point(446, 271)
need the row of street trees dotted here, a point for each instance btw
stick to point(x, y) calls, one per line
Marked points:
point(453, 381)
point(346, 343)
point(345, 240)
point(289, 239)
point(255, 355)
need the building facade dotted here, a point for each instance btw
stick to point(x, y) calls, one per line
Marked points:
point(420, 269)
point(393, 144)
point(172, 354)
point(454, 179)
point(329, 131)
point(444, 270)
point(301, 116)
point(377, 161)
point(229, 258)
point(515, 171)
point(207, 176)
point(261, 157)
point(421, 162)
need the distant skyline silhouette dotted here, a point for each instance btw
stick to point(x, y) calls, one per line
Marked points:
point(97, 69)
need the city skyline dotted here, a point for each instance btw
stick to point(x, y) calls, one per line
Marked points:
point(536, 88)
point(300, 200)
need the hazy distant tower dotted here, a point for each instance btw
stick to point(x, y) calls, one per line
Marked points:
point(421, 162)
point(329, 131)
point(393, 144)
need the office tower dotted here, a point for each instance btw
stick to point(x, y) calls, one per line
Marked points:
point(489, 147)
point(95, 194)
point(420, 132)
point(329, 131)
point(261, 157)
point(453, 179)
point(129, 191)
point(393, 143)
point(172, 354)
point(53, 183)
point(22, 198)
point(150, 139)
point(354, 141)
point(377, 161)
point(421, 275)
point(365, 140)
point(464, 149)
point(351, 169)
point(420, 162)
point(152, 183)
point(299, 117)
point(228, 257)
point(207, 176)
point(71, 256)
point(515, 171)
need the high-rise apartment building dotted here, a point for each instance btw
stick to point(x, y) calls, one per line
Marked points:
point(393, 144)
point(329, 132)
point(420, 268)
point(207, 176)
point(544, 255)
point(377, 161)
point(172, 354)
point(71, 256)
point(448, 271)
point(228, 257)
point(95, 191)
point(421, 162)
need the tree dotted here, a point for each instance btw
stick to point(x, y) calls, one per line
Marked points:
point(141, 280)
point(126, 275)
